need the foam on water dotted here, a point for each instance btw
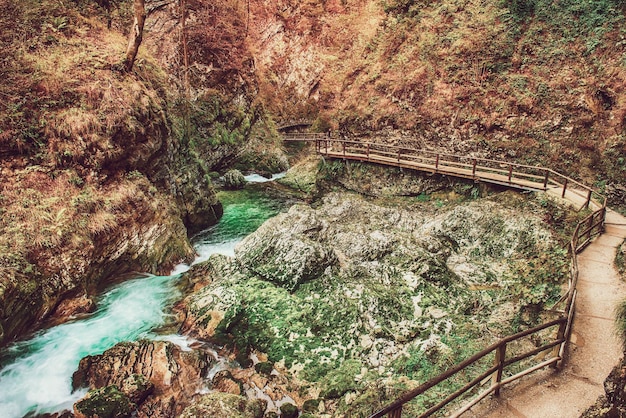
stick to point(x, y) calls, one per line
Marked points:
point(256, 178)
point(38, 375)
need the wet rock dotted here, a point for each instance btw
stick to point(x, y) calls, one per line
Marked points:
point(234, 180)
point(158, 376)
point(70, 307)
point(218, 404)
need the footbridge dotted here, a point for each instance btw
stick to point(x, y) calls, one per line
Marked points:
point(502, 363)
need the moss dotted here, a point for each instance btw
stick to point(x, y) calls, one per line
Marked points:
point(311, 405)
point(264, 367)
point(288, 410)
point(341, 380)
point(107, 402)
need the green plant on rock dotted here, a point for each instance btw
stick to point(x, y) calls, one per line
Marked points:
point(620, 323)
point(620, 259)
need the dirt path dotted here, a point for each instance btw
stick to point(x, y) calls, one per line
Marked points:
point(594, 347)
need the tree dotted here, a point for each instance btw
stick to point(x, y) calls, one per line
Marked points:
point(136, 34)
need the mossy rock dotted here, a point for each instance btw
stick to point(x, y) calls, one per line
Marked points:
point(311, 405)
point(288, 410)
point(264, 367)
point(218, 404)
point(107, 402)
point(234, 180)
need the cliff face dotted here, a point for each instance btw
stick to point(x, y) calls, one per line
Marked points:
point(96, 181)
point(534, 82)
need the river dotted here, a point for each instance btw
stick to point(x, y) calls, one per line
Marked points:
point(36, 374)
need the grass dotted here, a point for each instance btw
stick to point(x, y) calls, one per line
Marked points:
point(620, 259)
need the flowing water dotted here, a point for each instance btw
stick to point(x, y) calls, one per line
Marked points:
point(36, 375)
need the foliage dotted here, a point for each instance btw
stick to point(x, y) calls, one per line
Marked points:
point(217, 36)
point(620, 259)
point(620, 322)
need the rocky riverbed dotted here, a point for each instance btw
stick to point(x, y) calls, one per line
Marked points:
point(339, 306)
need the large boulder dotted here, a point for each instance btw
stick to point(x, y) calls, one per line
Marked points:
point(157, 376)
point(289, 249)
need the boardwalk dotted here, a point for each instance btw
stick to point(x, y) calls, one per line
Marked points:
point(594, 347)
point(595, 287)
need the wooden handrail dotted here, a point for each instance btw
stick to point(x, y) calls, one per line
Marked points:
point(508, 174)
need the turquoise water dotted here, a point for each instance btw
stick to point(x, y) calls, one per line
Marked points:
point(36, 375)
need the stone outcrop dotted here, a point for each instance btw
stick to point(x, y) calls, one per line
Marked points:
point(156, 376)
point(224, 405)
point(351, 287)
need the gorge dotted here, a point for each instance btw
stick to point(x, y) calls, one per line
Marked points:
point(373, 280)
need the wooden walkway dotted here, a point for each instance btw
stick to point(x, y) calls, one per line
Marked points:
point(507, 174)
point(595, 290)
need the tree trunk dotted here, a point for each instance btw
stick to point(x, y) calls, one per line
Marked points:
point(136, 33)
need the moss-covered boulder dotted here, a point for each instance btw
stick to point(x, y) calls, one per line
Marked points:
point(288, 410)
point(234, 179)
point(346, 292)
point(288, 253)
point(107, 402)
point(218, 404)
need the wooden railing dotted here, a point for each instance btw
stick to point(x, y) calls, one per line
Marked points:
point(481, 169)
point(305, 136)
point(509, 174)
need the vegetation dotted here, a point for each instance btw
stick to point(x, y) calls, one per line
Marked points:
point(532, 81)
point(620, 259)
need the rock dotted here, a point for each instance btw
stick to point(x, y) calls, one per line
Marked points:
point(265, 367)
point(340, 293)
point(158, 376)
point(224, 382)
point(107, 402)
point(74, 306)
point(288, 410)
point(233, 180)
point(218, 404)
point(287, 253)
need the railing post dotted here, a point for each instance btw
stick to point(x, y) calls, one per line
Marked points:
point(496, 378)
point(588, 199)
point(399, 151)
point(474, 168)
point(557, 348)
point(564, 188)
point(396, 413)
point(326, 146)
point(368, 152)
point(510, 172)
point(545, 180)
point(437, 163)
point(344, 149)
